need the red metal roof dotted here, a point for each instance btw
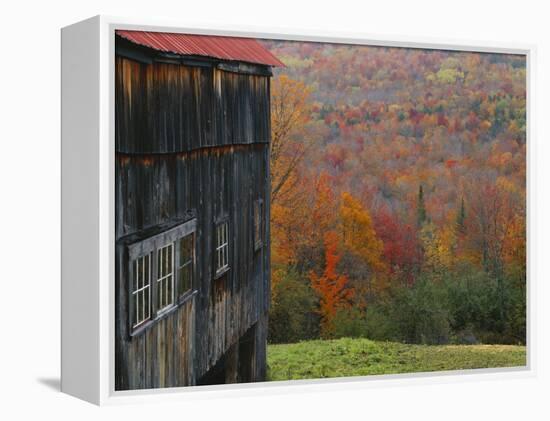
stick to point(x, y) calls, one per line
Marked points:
point(225, 48)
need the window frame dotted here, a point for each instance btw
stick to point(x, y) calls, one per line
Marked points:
point(221, 271)
point(133, 319)
point(185, 295)
point(151, 245)
point(160, 279)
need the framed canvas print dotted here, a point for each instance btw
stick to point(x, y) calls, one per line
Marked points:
point(274, 209)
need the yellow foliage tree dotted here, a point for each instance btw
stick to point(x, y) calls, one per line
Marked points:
point(290, 112)
point(358, 232)
point(439, 246)
point(288, 216)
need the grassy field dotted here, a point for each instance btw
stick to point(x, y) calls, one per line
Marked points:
point(361, 357)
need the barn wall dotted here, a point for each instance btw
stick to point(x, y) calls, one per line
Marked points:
point(218, 107)
point(202, 150)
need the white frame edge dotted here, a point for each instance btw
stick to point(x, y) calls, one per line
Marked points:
point(95, 382)
point(80, 301)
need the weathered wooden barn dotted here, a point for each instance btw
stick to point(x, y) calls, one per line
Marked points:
point(192, 209)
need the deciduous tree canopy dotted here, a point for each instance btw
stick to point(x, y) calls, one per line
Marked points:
point(399, 174)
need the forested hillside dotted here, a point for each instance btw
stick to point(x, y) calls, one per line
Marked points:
point(398, 194)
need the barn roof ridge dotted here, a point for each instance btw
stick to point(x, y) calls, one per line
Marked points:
point(221, 47)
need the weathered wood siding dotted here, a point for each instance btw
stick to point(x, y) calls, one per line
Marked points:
point(192, 141)
point(163, 108)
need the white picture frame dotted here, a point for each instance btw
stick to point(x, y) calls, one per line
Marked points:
point(88, 213)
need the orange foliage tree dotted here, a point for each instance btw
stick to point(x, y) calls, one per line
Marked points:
point(332, 288)
point(301, 217)
point(496, 210)
point(287, 216)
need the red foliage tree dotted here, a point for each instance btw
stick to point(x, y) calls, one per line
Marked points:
point(331, 287)
point(402, 251)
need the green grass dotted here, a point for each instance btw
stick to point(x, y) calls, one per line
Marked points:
point(361, 357)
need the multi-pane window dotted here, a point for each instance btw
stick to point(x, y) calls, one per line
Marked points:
point(141, 292)
point(185, 264)
point(161, 270)
point(222, 247)
point(165, 277)
point(258, 214)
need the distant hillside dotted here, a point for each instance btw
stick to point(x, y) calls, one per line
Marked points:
point(361, 357)
point(391, 118)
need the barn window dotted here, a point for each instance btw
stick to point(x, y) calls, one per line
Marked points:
point(186, 264)
point(165, 277)
point(222, 247)
point(141, 294)
point(258, 226)
point(161, 269)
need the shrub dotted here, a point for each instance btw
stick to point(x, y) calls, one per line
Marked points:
point(422, 313)
point(416, 314)
point(471, 298)
point(292, 315)
point(516, 282)
point(380, 325)
point(492, 310)
point(349, 323)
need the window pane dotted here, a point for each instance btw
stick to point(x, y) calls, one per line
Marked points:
point(143, 273)
point(186, 249)
point(181, 281)
point(141, 269)
point(160, 295)
point(190, 247)
point(169, 290)
point(164, 261)
point(147, 306)
point(185, 277)
point(165, 278)
point(165, 286)
point(169, 259)
point(186, 262)
point(159, 266)
point(136, 308)
point(146, 270)
point(135, 276)
point(188, 277)
point(142, 301)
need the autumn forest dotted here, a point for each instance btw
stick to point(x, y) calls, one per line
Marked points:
point(398, 196)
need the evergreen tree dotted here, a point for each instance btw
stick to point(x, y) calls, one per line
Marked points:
point(461, 218)
point(421, 209)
